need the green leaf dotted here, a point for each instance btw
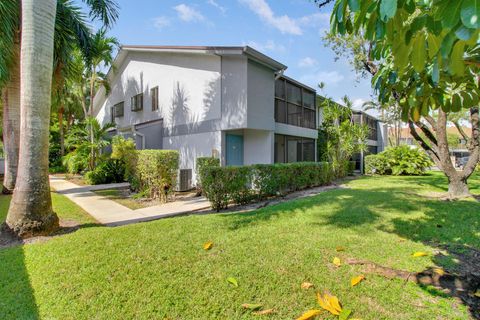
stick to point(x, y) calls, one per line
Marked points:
point(354, 5)
point(419, 54)
point(435, 73)
point(232, 281)
point(463, 33)
point(388, 8)
point(451, 14)
point(470, 13)
point(457, 65)
point(344, 314)
point(456, 103)
point(433, 45)
point(341, 10)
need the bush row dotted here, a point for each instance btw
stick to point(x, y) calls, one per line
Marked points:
point(241, 185)
point(401, 160)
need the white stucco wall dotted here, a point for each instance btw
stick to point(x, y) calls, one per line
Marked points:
point(258, 147)
point(261, 97)
point(234, 92)
point(193, 146)
point(189, 87)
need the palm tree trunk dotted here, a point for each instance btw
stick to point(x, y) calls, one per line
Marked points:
point(30, 210)
point(11, 124)
point(62, 133)
point(92, 88)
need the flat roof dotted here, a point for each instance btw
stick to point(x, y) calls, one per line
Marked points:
point(217, 50)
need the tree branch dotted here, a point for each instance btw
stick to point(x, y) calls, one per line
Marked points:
point(426, 130)
point(463, 133)
point(475, 144)
point(322, 3)
point(431, 122)
point(432, 153)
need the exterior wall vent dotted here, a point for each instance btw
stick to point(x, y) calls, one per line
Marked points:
point(185, 179)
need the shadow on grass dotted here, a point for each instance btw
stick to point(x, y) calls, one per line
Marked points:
point(450, 227)
point(17, 300)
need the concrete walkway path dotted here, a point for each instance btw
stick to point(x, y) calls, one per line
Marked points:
point(111, 213)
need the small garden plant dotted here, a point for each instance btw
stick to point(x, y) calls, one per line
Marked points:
point(401, 160)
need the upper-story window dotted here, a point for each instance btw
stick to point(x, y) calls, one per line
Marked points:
point(294, 104)
point(118, 110)
point(136, 102)
point(154, 95)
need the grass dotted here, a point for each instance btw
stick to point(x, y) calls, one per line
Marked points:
point(120, 197)
point(65, 209)
point(158, 270)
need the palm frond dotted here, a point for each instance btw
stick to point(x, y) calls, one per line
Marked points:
point(104, 10)
point(9, 32)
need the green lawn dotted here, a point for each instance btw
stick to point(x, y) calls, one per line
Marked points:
point(158, 270)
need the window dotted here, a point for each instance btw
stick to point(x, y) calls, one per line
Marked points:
point(372, 128)
point(293, 149)
point(309, 118)
point(294, 94)
point(308, 99)
point(280, 148)
point(136, 102)
point(294, 104)
point(308, 150)
point(154, 95)
point(280, 111)
point(117, 110)
point(294, 115)
point(280, 89)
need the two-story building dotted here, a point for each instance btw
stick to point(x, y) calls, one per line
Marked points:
point(233, 103)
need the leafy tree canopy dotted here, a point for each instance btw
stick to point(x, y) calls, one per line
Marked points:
point(428, 50)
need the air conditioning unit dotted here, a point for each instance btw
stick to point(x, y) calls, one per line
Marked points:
point(185, 180)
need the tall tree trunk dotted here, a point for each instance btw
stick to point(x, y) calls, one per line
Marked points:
point(30, 210)
point(60, 128)
point(92, 89)
point(11, 123)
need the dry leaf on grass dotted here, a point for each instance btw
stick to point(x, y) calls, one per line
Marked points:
point(420, 254)
point(252, 306)
point(336, 261)
point(264, 312)
point(208, 245)
point(340, 248)
point(356, 280)
point(309, 314)
point(329, 302)
point(307, 285)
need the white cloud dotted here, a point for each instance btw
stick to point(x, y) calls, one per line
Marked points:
point(357, 104)
point(216, 5)
point(330, 78)
point(269, 46)
point(284, 24)
point(161, 22)
point(188, 14)
point(307, 62)
point(315, 20)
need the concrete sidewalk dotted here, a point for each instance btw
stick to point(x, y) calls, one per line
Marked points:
point(111, 213)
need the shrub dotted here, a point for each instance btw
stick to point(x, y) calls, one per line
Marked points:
point(202, 163)
point(108, 171)
point(125, 151)
point(156, 171)
point(75, 162)
point(242, 185)
point(401, 160)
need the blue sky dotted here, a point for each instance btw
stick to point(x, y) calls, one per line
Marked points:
point(289, 31)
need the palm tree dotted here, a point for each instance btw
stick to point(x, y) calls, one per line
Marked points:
point(71, 30)
point(10, 88)
point(102, 55)
point(31, 211)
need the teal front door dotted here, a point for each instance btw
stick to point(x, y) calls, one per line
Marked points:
point(234, 146)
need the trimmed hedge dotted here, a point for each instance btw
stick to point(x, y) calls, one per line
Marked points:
point(245, 184)
point(401, 160)
point(201, 164)
point(156, 172)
